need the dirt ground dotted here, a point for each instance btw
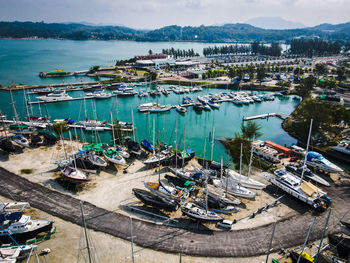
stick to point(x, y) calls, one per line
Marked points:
point(112, 189)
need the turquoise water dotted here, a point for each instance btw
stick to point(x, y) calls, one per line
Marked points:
point(21, 60)
point(226, 120)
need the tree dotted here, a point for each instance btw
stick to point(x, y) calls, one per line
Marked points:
point(233, 147)
point(260, 73)
point(118, 134)
point(321, 69)
point(305, 87)
point(150, 52)
point(60, 128)
point(341, 73)
point(250, 130)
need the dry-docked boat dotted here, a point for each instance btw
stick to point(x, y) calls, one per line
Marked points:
point(304, 191)
point(308, 174)
point(22, 228)
point(155, 200)
point(317, 160)
point(13, 207)
point(233, 188)
point(161, 191)
point(190, 175)
point(200, 214)
point(156, 158)
point(75, 175)
point(113, 156)
point(245, 180)
point(227, 209)
point(220, 195)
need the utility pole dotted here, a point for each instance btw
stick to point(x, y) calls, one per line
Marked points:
point(132, 241)
point(86, 236)
point(270, 245)
point(306, 239)
point(322, 236)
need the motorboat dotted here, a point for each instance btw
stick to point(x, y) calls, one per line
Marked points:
point(308, 174)
point(180, 183)
point(23, 229)
point(245, 180)
point(180, 109)
point(75, 175)
point(198, 107)
point(155, 200)
point(125, 92)
point(113, 156)
point(199, 214)
point(57, 95)
point(302, 190)
point(317, 161)
point(101, 94)
point(142, 94)
point(233, 188)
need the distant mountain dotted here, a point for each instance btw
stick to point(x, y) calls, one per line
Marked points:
point(224, 33)
point(274, 23)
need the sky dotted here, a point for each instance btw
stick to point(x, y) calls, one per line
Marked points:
point(150, 14)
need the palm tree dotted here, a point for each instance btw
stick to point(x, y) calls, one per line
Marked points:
point(250, 130)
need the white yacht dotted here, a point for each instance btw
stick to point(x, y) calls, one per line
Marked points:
point(57, 95)
point(304, 191)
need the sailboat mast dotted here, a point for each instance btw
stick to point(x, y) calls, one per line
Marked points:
point(154, 124)
point(183, 159)
point(205, 147)
point(26, 102)
point(212, 145)
point(133, 124)
point(113, 130)
point(240, 160)
point(251, 158)
point(221, 166)
point(307, 150)
point(13, 106)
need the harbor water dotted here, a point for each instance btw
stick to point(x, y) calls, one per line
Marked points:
point(192, 126)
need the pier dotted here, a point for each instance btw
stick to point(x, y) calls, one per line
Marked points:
point(264, 116)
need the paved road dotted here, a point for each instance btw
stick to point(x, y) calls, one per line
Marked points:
point(241, 243)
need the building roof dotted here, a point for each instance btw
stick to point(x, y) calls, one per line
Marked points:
point(145, 62)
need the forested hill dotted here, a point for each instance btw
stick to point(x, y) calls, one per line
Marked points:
point(225, 33)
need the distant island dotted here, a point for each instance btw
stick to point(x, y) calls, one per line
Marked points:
point(212, 34)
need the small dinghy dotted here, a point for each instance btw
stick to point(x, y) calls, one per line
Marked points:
point(113, 156)
point(123, 152)
point(75, 175)
point(200, 214)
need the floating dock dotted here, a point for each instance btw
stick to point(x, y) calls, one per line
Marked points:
point(264, 116)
